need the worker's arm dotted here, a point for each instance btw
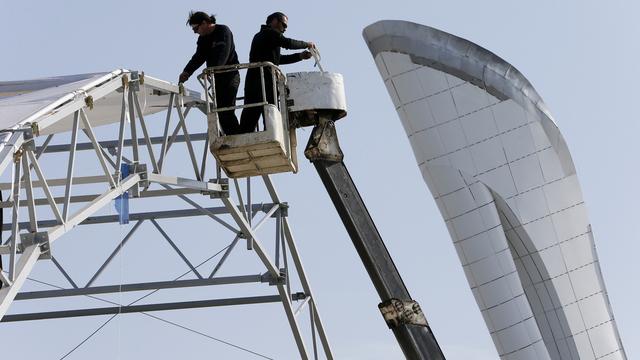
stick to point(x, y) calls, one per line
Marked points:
point(292, 44)
point(292, 58)
point(196, 61)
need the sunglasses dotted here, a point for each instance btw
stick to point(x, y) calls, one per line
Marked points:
point(195, 27)
point(284, 24)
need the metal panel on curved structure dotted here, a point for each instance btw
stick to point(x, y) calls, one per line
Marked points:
point(504, 181)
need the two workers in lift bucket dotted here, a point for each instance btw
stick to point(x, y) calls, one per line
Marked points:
point(215, 47)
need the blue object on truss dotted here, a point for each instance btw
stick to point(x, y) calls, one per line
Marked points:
point(122, 201)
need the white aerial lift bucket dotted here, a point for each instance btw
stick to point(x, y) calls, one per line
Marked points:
point(259, 153)
point(305, 97)
point(270, 151)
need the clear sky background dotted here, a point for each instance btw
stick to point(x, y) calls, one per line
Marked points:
point(581, 56)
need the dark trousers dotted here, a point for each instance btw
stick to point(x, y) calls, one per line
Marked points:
point(226, 92)
point(253, 94)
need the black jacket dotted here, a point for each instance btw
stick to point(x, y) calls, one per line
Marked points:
point(216, 48)
point(266, 46)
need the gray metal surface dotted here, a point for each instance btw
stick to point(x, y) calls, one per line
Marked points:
point(503, 179)
point(461, 58)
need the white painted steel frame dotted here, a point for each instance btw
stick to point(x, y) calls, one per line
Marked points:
point(26, 157)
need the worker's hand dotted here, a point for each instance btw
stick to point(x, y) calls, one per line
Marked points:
point(311, 45)
point(184, 76)
point(305, 55)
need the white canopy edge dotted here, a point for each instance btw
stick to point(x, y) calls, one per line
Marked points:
point(51, 102)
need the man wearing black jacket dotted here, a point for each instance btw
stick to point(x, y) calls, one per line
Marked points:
point(266, 46)
point(216, 47)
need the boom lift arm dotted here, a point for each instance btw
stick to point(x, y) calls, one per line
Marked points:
point(317, 99)
point(402, 314)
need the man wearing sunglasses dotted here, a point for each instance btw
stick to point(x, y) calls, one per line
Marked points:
point(215, 46)
point(266, 46)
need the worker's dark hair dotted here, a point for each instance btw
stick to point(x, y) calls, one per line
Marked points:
point(276, 15)
point(197, 17)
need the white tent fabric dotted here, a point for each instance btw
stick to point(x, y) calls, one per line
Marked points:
point(22, 102)
point(13, 88)
point(20, 99)
point(50, 103)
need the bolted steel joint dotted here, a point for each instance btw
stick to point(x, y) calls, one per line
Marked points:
point(18, 155)
point(125, 81)
point(283, 210)
point(298, 296)
point(88, 101)
point(281, 279)
point(273, 280)
point(222, 194)
point(141, 170)
point(35, 129)
point(135, 81)
point(29, 143)
point(37, 238)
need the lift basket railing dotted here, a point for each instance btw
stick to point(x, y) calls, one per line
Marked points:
point(278, 80)
point(269, 151)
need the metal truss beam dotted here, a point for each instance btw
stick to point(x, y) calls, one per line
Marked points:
point(295, 255)
point(10, 147)
point(87, 198)
point(23, 268)
point(113, 144)
point(185, 183)
point(110, 154)
point(243, 279)
point(165, 214)
point(93, 206)
point(77, 180)
point(78, 103)
point(30, 254)
point(284, 292)
point(249, 233)
point(147, 308)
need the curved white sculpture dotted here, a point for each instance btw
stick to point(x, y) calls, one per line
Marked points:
point(504, 181)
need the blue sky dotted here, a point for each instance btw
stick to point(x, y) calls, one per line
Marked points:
point(581, 56)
